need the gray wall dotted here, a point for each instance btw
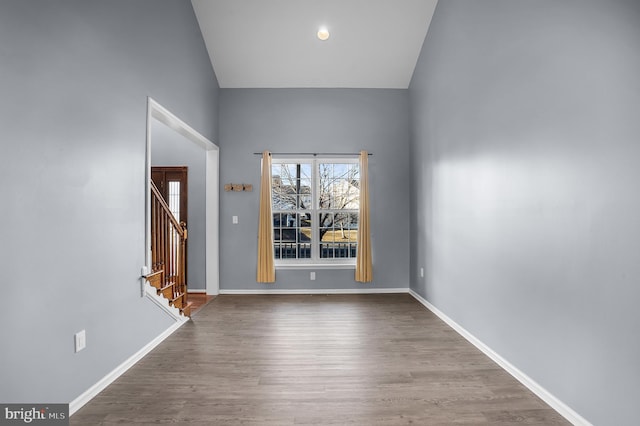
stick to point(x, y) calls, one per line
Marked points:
point(74, 78)
point(314, 120)
point(170, 148)
point(525, 203)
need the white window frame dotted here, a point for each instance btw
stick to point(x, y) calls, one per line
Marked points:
point(316, 262)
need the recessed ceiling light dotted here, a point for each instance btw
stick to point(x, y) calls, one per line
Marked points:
point(323, 33)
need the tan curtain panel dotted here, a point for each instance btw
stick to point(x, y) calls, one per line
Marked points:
point(266, 266)
point(364, 268)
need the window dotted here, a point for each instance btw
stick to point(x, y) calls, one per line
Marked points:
point(315, 210)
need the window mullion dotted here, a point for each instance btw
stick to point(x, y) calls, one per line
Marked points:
point(315, 246)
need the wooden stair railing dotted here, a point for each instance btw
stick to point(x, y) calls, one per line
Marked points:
point(168, 254)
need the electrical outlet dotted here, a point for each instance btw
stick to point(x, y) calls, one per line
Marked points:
point(81, 340)
point(234, 219)
point(312, 276)
point(422, 272)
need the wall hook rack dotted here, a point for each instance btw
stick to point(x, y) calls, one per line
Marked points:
point(238, 187)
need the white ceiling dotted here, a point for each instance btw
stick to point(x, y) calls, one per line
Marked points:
point(273, 43)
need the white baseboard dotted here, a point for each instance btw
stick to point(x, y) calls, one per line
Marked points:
point(94, 390)
point(196, 290)
point(319, 291)
point(563, 409)
point(527, 381)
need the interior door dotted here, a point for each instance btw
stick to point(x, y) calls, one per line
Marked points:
point(172, 184)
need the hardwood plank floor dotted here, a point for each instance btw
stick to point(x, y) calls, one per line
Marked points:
point(316, 360)
point(198, 300)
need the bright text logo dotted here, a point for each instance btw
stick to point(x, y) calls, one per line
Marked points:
point(50, 414)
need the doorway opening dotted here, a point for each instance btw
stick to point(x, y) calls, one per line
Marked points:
point(161, 121)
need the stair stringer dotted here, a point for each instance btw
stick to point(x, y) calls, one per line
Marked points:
point(151, 293)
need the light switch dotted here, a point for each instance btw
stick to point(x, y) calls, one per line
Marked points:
point(235, 220)
point(80, 339)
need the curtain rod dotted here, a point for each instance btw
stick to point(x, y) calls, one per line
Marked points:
point(315, 154)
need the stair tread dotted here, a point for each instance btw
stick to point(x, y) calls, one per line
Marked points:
point(186, 309)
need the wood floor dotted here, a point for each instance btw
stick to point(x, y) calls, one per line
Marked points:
point(316, 360)
point(198, 300)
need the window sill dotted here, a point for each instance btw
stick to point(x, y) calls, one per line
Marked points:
point(315, 266)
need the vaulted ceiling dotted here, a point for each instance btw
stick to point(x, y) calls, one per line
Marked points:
point(273, 43)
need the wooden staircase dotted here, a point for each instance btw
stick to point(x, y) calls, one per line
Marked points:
point(168, 254)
